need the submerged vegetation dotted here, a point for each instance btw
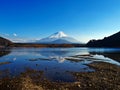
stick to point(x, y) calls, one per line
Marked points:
point(105, 76)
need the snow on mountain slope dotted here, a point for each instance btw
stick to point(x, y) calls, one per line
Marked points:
point(61, 41)
point(58, 38)
point(59, 34)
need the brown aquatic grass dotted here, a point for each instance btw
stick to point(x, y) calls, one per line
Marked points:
point(105, 77)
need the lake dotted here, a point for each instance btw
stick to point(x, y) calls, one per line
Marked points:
point(55, 63)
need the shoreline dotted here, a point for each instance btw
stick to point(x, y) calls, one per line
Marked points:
point(106, 76)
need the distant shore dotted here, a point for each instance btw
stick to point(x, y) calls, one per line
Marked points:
point(45, 45)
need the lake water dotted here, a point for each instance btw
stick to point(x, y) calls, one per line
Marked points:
point(56, 63)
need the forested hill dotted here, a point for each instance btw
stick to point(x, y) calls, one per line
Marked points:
point(4, 42)
point(111, 41)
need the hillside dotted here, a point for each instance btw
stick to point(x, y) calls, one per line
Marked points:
point(111, 41)
point(4, 42)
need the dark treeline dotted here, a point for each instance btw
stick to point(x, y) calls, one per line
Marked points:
point(46, 45)
point(111, 41)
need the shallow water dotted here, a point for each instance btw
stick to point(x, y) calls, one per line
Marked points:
point(56, 63)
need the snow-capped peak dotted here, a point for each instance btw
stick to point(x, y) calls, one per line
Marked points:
point(58, 38)
point(59, 34)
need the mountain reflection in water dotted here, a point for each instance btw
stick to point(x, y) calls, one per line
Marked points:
point(55, 63)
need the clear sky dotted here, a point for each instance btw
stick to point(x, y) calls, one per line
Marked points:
point(81, 19)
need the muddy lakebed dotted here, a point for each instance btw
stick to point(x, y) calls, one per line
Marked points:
point(59, 68)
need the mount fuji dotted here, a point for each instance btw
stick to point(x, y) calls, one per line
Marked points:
point(58, 38)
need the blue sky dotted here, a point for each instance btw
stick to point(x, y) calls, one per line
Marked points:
point(81, 19)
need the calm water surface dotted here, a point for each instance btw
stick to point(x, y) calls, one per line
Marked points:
point(56, 63)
